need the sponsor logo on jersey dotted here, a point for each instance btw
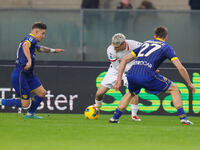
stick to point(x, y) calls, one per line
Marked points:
point(111, 56)
point(144, 63)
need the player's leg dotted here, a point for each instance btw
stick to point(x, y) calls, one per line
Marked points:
point(106, 84)
point(134, 89)
point(134, 108)
point(121, 107)
point(19, 83)
point(11, 102)
point(134, 102)
point(100, 95)
point(39, 91)
point(178, 104)
point(16, 102)
point(162, 83)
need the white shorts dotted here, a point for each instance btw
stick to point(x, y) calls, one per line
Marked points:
point(111, 77)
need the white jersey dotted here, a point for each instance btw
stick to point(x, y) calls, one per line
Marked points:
point(115, 58)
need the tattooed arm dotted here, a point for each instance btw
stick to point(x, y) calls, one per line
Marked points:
point(45, 49)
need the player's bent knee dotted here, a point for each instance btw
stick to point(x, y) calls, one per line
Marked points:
point(99, 95)
point(174, 87)
point(135, 100)
point(42, 93)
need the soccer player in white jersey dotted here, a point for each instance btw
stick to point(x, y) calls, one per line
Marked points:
point(119, 48)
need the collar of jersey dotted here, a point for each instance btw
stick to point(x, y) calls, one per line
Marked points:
point(32, 35)
point(159, 39)
point(127, 47)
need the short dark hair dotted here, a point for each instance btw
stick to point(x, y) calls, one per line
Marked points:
point(147, 5)
point(39, 25)
point(160, 32)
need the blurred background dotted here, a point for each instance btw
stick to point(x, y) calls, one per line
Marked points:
point(84, 28)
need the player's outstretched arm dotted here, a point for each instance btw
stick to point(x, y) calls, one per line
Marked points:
point(45, 49)
point(122, 66)
point(183, 72)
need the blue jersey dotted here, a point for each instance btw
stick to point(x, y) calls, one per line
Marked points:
point(21, 58)
point(150, 55)
point(148, 58)
point(24, 81)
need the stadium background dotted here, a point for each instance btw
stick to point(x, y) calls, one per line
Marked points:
point(73, 76)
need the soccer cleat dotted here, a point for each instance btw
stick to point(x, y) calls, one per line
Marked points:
point(186, 122)
point(112, 120)
point(33, 117)
point(98, 103)
point(136, 118)
point(95, 105)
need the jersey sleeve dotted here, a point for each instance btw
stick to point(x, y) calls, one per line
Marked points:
point(31, 41)
point(170, 53)
point(111, 55)
point(135, 52)
point(37, 47)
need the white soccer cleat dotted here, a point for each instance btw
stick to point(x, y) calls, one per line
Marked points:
point(97, 106)
point(136, 118)
point(112, 120)
point(186, 122)
point(94, 105)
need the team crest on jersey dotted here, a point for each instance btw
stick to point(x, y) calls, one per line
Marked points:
point(24, 96)
point(165, 78)
point(111, 56)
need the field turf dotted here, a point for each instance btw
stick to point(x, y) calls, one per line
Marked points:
point(73, 132)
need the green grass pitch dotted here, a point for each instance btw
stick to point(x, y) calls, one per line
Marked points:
point(73, 132)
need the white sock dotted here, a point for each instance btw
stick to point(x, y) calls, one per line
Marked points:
point(134, 109)
point(29, 114)
point(98, 103)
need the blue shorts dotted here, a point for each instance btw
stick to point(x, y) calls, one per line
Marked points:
point(24, 83)
point(154, 85)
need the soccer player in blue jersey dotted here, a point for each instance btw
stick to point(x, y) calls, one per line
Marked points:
point(143, 74)
point(23, 79)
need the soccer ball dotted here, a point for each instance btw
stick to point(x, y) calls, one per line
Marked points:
point(91, 113)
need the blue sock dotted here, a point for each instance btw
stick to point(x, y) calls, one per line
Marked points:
point(117, 114)
point(181, 113)
point(11, 102)
point(35, 103)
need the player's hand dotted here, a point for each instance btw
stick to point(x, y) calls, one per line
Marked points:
point(59, 50)
point(191, 87)
point(157, 70)
point(28, 65)
point(117, 85)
